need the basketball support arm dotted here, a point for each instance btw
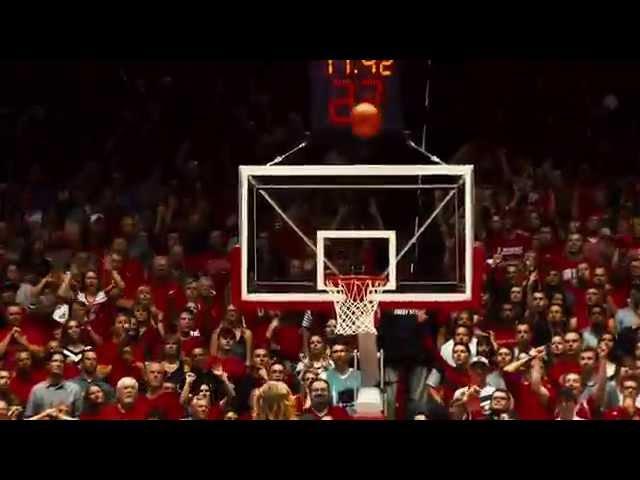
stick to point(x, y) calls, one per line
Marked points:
point(280, 158)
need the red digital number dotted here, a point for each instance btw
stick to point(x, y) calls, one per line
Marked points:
point(341, 103)
point(373, 94)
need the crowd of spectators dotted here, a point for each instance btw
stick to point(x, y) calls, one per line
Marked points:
point(116, 274)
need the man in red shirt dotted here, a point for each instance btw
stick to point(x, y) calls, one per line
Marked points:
point(162, 285)
point(128, 406)
point(231, 364)
point(533, 395)
point(321, 408)
point(507, 241)
point(131, 270)
point(164, 404)
point(110, 351)
point(568, 361)
point(590, 394)
point(189, 336)
point(25, 376)
point(570, 259)
point(616, 297)
point(19, 334)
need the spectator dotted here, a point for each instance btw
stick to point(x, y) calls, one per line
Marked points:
point(628, 409)
point(567, 405)
point(318, 359)
point(330, 331)
point(255, 377)
point(110, 351)
point(344, 380)
point(18, 335)
point(25, 377)
point(321, 407)
point(461, 334)
point(274, 401)
point(524, 337)
point(7, 412)
point(94, 401)
point(6, 394)
point(232, 364)
point(162, 285)
point(54, 391)
point(88, 376)
point(199, 409)
point(72, 344)
point(243, 346)
point(565, 356)
point(128, 405)
point(533, 396)
point(148, 337)
point(500, 406)
point(443, 380)
point(172, 360)
point(476, 396)
point(166, 404)
point(303, 399)
point(189, 336)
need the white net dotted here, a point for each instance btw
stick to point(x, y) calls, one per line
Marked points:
point(355, 301)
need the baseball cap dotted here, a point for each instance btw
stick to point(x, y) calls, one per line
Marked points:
point(479, 360)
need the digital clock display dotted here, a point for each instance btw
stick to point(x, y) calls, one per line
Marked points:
point(339, 85)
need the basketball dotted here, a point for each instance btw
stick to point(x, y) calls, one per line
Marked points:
point(365, 121)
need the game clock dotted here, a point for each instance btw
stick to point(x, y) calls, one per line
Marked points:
point(339, 85)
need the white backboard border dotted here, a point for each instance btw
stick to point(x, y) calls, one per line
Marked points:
point(247, 171)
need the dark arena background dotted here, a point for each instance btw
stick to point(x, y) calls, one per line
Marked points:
point(125, 293)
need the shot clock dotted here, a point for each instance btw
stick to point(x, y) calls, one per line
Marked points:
point(339, 85)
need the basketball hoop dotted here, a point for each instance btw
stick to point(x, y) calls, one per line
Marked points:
point(355, 298)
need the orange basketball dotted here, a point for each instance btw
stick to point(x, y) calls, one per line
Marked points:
point(365, 120)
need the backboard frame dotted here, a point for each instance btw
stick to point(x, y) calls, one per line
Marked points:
point(247, 171)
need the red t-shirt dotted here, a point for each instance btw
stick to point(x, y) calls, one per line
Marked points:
point(232, 365)
point(453, 379)
point(71, 370)
point(336, 413)
point(167, 405)
point(132, 274)
point(101, 317)
point(160, 291)
point(512, 247)
point(215, 413)
point(93, 416)
point(21, 386)
point(216, 265)
point(109, 352)
point(207, 317)
point(188, 344)
point(139, 411)
point(527, 404)
point(289, 339)
point(566, 266)
point(149, 343)
point(562, 367)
